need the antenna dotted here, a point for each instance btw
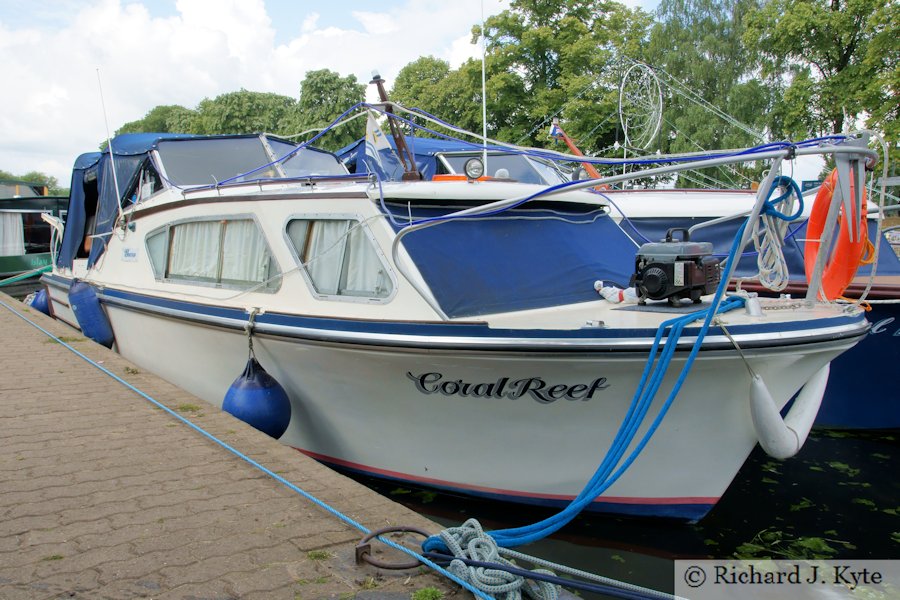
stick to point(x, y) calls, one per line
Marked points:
point(112, 159)
point(483, 92)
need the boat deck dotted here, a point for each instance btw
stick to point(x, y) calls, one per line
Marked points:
point(102, 494)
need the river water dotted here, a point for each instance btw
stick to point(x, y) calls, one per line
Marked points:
point(839, 498)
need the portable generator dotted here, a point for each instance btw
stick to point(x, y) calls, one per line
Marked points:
point(675, 270)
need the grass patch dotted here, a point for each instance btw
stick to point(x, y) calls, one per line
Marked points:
point(369, 584)
point(318, 555)
point(132, 371)
point(186, 407)
point(428, 593)
point(54, 557)
point(64, 338)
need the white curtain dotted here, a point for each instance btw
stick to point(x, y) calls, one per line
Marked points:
point(339, 258)
point(364, 275)
point(244, 253)
point(12, 234)
point(325, 256)
point(195, 250)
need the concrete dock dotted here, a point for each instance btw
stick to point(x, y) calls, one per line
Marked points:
point(104, 495)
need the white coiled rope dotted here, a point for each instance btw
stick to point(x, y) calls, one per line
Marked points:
point(470, 541)
point(769, 241)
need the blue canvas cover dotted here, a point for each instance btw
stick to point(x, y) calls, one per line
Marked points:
point(129, 151)
point(76, 217)
point(522, 259)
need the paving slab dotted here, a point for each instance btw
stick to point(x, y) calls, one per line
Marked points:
point(104, 495)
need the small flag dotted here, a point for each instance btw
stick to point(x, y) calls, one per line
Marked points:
point(375, 142)
point(555, 131)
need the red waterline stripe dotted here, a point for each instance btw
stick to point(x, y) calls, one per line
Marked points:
point(498, 491)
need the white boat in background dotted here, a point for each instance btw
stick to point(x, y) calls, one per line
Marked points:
point(446, 333)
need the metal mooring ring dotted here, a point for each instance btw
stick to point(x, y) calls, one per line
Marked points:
point(364, 554)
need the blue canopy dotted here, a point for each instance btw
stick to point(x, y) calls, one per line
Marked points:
point(92, 182)
point(76, 217)
point(522, 259)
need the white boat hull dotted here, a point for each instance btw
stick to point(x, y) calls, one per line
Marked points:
point(406, 413)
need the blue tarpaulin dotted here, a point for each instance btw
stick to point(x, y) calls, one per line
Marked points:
point(519, 260)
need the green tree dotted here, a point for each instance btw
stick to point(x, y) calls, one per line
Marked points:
point(243, 112)
point(839, 57)
point(566, 55)
point(711, 101)
point(419, 83)
point(881, 97)
point(324, 95)
point(162, 119)
point(543, 58)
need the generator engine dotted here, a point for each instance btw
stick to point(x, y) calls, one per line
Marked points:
point(675, 270)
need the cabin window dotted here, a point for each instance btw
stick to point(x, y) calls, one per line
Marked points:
point(145, 184)
point(224, 253)
point(339, 258)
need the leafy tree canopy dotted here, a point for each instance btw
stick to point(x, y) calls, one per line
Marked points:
point(161, 119)
point(324, 96)
point(542, 59)
point(697, 50)
point(772, 69)
point(823, 47)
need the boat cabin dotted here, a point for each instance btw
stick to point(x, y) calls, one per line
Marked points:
point(144, 164)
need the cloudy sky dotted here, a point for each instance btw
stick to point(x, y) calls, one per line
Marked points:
point(154, 52)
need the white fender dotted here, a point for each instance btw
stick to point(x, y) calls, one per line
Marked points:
point(783, 438)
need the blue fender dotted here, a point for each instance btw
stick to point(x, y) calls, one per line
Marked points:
point(89, 314)
point(259, 400)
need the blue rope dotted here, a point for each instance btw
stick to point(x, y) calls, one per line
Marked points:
point(651, 379)
point(239, 454)
point(792, 188)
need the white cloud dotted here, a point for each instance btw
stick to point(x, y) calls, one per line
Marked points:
point(376, 23)
point(461, 50)
point(309, 23)
point(51, 111)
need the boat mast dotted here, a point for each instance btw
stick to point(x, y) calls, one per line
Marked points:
point(410, 172)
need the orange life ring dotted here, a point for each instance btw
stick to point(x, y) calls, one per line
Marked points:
point(846, 257)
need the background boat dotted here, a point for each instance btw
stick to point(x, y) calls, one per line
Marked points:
point(25, 238)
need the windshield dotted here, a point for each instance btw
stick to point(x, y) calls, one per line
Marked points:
point(508, 166)
point(307, 161)
point(216, 160)
point(211, 161)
